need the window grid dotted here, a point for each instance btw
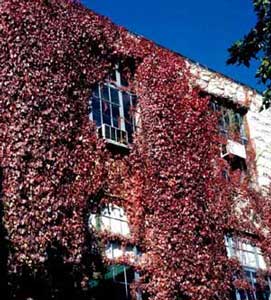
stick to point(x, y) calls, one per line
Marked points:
point(111, 218)
point(228, 119)
point(256, 293)
point(120, 109)
point(241, 250)
point(236, 249)
point(126, 279)
point(123, 223)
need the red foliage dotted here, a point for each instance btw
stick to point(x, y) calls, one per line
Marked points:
point(178, 204)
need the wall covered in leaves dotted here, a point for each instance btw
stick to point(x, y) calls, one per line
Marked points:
point(55, 169)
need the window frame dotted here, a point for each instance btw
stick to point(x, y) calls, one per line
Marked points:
point(232, 114)
point(121, 89)
point(96, 220)
point(235, 251)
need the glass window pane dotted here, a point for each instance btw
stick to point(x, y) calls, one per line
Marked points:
point(124, 81)
point(130, 275)
point(119, 273)
point(126, 106)
point(105, 223)
point(96, 110)
point(106, 113)
point(113, 133)
point(116, 116)
point(107, 132)
point(128, 115)
point(115, 226)
point(105, 92)
point(112, 76)
point(226, 119)
point(114, 95)
point(95, 91)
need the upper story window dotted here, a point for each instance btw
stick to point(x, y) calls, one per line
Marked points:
point(112, 109)
point(231, 122)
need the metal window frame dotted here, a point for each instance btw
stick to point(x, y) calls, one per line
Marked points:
point(231, 113)
point(126, 283)
point(118, 86)
point(120, 220)
point(250, 270)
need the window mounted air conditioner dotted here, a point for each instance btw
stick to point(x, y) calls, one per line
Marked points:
point(234, 148)
point(113, 135)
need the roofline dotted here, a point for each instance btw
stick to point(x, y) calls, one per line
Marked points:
point(179, 54)
point(197, 63)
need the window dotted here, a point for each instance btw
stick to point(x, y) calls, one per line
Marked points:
point(257, 291)
point(111, 218)
point(231, 123)
point(121, 277)
point(114, 250)
point(247, 254)
point(251, 258)
point(112, 107)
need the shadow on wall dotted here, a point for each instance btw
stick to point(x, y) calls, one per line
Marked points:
point(56, 279)
point(3, 247)
point(53, 280)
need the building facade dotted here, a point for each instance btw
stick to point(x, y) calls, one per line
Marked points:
point(241, 121)
point(127, 170)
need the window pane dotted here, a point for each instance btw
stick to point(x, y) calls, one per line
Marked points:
point(115, 226)
point(95, 91)
point(112, 76)
point(226, 119)
point(130, 275)
point(126, 106)
point(242, 294)
point(128, 115)
point(106, 113)
point(96, 110)
point(124, 81)
point(114, 95)
point(105, 223)
point(119, 273)
point(105, 92)
point(116, 116)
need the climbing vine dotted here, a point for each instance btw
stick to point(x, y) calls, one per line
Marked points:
point(55, 169)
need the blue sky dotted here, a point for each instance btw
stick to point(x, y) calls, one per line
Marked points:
point(200, 30)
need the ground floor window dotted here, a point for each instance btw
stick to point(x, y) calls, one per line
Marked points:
point(116, 284)
point(251, 258)
point(121, 277)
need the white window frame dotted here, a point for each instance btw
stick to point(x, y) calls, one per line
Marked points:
point(106, 220)
point(235, 251)
point(117, 85)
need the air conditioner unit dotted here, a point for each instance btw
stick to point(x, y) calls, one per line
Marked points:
point(234, 148)
point(113, 135)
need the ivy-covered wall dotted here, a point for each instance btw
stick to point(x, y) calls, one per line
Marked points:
point(56, 171)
